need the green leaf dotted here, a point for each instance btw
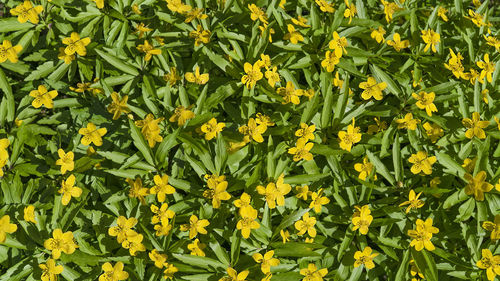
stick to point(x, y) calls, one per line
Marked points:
point(289, 220)
point(140, 142)
point(380, 167)
point(203, 262)
point(118, 63)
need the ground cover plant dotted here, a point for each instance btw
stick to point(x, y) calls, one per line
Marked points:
point(238, 140)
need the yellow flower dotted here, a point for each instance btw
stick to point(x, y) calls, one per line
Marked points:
point(407, 122)
point(118, 106)
point(425, 101)
point(311, 273)
point(137, 190)
point(263, 29)
point(170, 270)
point(289, 93)
point(433, 131)
point(293, 35)
point(282, 189)
point(217, 193)
point(27, 12)
point(477, 185)
point(422, 235)
point(163, 228)
point(158, 258)
point(361, 219)
point(266, 261)
point(200, 35)
point(6, 227)
point(330, 61)
point(430, 38)
point(234, 275)
point(372, 89)
point(492, 41)
point(325, 6)
point(397, 43)
point(378, 34)
point(476, 18)
point(141, 29)
point(455, 64)
point(350, 10)
point(161, 187)
point(285, 235)
point(172, 77)
point(442, 13)
point(422, 163)
point(111, 273)
point(489, 262)
point(475, 126)
point(43, 97)
point(243, 202)
point(196, 77)
point(487, 68)
point(148, 49)
point(364, 169)
point(365, 258)
point(484, 94)
point(257, 13)
point(123, 228)
point(29, 214)
point(150, 129)
point(390, 9)
point(195, 13)
point(300, 21)
point(60, 242)
point(272, 76)
point(196, 248)
point(493, 227)
point(469, 164)
point(4, 154)
point(380, 126)
point(270, 192)
point(100, 5)
point(81, 87)
point(252, 131)
point(317, 201)
point(50, 270)
point(306, 224)
point(65, 161)
point(134, 244)
point(301, 150)
point(350, 137)
point(136, 9)
point(76, 44)
point(338, 44)
point(413, 201)
point(161, 214)
point(68, 190)
point(305, 131)
point(282, 4)
point(247, 222)
point(253, 74)
point(7, 51)
point(92, 135)
point(181, 115)
point(472, 76)
point(414, 271)
point(212, 128)
point(195, 226)
point(177, 6)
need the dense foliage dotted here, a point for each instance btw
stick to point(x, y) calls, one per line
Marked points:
point(238, 140)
